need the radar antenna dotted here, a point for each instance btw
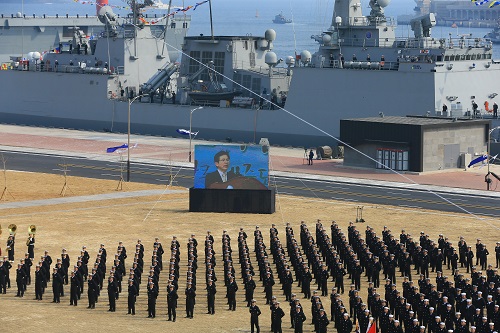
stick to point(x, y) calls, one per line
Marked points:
point(137, 7)
point(377, 12)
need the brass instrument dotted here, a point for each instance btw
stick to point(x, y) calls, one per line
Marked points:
point(12, 229)
point(31, 231)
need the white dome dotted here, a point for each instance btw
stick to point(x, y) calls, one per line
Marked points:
point(305, 56)
point(384, 3)
point(270, 34)
point(271, 58)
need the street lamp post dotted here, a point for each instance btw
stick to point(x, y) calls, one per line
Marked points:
point(488, 180)
point(190, 122)
point(130, 101)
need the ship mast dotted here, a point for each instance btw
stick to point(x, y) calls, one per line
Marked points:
point(211, 21)
point(166, 27)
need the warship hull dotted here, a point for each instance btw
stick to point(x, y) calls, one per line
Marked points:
point(48, 99)
point(414, 76)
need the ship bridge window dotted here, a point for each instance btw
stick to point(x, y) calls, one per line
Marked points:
point(462, 57)
point(185, 25)
point(488, 56)
point(247, 81)
point(246, 45)
point(172, 25)
point(473, 57)
point(237, 79)
point(439, 58)
point(467, 57)
point(194, 62)
point(256, 83)
point(446, 58)
point(206, 57)
point(219, 62)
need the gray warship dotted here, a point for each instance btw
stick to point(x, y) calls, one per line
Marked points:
point(21, 33)
point(246, 92)
point(494, 35)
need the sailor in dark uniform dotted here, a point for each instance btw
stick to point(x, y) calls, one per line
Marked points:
point(249, 289)
point(31, 246)
point(57, 283)
point(3, 278)
point(211, 291)
point(92, 291)
point(190, 301)
point(254, 316)
point(132, 293)
point(112, 292)
point(20, 278)
point(172, 302)
point(232, 287)
point(276, 316)
point(39, 283)
point(152, 295)
point(74, 289)
point(298, 319)
point(11, 241)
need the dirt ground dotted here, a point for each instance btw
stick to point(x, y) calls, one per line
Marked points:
point(71, 226)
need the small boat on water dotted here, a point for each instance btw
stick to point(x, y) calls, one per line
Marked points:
point(280, 19)
point(494, 35)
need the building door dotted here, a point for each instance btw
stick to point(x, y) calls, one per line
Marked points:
point(451, 156)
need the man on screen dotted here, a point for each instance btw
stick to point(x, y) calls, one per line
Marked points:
point(221, 175)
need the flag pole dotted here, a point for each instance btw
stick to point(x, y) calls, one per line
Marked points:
point(211, 21)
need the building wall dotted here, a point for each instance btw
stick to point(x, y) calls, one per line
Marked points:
point(443, 147)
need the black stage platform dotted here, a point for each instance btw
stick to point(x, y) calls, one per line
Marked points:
point(232, 201)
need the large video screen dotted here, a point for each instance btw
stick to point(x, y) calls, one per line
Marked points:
point(231, 167)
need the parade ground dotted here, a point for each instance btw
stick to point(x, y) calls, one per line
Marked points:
point(94, 212)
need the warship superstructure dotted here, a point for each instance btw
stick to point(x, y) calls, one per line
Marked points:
point(246, 92)
point(21, 33)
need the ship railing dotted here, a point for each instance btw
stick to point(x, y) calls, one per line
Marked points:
point(363, 21)
point(367, 65)
point(442, 43)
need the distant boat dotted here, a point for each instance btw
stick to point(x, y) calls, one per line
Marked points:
point(256, 13)
point(494, 35)
point(280, 19)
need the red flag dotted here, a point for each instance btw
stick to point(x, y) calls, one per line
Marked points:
point(372, 327)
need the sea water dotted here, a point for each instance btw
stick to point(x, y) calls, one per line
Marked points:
point(242, 17)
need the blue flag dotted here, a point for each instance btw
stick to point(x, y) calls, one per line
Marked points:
point(477, 160)
point(113, 149)
point(185, 132)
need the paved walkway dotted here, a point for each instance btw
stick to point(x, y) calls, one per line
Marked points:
point(153, 149)
point(85, 198)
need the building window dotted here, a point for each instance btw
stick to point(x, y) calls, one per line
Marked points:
point(394, 159)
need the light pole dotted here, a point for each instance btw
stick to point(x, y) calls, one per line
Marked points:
point(130, 101)
point(190, 122)
point(488, 180)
